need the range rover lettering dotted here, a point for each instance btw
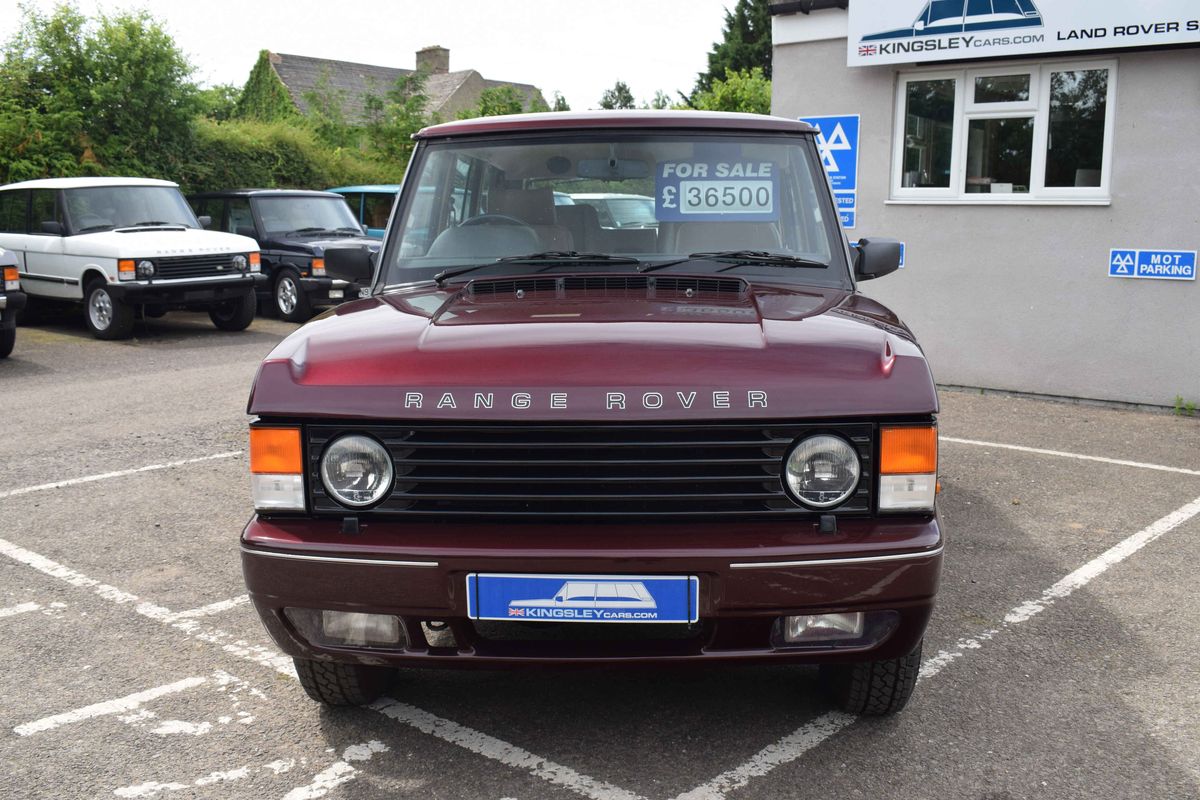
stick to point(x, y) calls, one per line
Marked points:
point(546, 441)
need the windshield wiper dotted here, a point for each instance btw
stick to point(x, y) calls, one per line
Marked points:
point(567, 256)
point(151, 223)
point(105, 227)
point(554, 257)
point(311, 229)
point(743, 258)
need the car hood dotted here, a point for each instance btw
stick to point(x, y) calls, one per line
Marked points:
point(156, 243)
point(604, 350)
point(316, 246)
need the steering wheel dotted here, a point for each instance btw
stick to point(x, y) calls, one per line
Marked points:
point(493, 219)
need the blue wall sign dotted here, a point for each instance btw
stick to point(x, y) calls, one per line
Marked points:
point(1163, 265)
point(837, 140)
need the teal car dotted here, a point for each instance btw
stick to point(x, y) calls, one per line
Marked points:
point(372, 205)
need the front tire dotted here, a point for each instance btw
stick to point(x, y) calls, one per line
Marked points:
point(873, 688)
point(336, 684)
point(106, 316)
point(291, 303)
point(236, 314)
point(8, 339)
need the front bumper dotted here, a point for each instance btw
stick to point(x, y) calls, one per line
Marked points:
point(10, 304)
point(185, 292)
point(319, 289)
point(750, 575)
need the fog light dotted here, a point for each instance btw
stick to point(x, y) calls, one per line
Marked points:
point(336, 294)
point(907, 492)
point(277, 492)
point(823, 627)
point(348, 628)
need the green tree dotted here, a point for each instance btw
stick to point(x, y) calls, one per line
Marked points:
point(264, 97)
point(745, 90)
point(618, 96)
point(394, 118)
point(661, 100)
point(560, 103)
point(114, 91)
point(327, 116)
point(219, 102)
point(745, 44)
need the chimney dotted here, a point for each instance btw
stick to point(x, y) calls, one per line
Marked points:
point(434, 60)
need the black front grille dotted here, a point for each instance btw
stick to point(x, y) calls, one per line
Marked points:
point(194, 266)
point(592, 471)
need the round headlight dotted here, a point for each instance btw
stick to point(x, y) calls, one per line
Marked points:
point(145, 269)
point(356, 470)
point(822, 471)
point(240, 263)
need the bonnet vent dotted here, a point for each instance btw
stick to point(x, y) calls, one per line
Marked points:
point(607, 286)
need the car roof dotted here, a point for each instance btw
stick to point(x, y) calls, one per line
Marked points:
point(592, 120)
point(266, 193)
point(382, 188)
point(80, 183)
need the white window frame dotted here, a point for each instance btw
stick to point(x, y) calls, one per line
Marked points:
point(1037, 108)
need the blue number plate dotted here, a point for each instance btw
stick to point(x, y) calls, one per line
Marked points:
point(584, 598)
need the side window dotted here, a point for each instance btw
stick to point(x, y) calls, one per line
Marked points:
point(43, 208)
point(13, 208)
point(240, 215)
point(376, 209)
point(354, 200)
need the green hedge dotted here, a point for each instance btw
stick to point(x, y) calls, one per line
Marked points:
point(282, 154)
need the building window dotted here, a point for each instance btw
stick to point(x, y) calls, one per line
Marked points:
point(1005, 134)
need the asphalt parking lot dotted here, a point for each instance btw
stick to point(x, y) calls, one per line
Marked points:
point(1063, 660)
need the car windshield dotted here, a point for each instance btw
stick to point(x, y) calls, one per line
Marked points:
point(97, 208)
point(757, 204)
point(298, 214)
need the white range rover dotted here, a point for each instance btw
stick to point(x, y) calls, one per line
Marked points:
point(124, 247)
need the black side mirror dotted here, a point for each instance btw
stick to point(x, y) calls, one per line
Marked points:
point(876, 257)
point(246, 230)
point(205, 221)
point(354, 264)
point(54, 228)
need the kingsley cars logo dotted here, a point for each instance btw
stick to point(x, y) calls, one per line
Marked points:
point(955, 25)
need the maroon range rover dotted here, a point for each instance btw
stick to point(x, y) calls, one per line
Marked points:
point(541, 441)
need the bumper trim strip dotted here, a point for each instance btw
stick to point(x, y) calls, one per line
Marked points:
point(339, 559)
point(826, 562)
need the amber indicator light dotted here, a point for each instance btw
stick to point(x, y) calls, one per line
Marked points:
point(255, 258)
point(275, 451)
point(10, 273)
point(125, 265)
point(318, 263)
point(908, 450)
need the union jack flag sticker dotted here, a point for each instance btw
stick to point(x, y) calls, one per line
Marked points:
point(516, 612)
point(867, 50)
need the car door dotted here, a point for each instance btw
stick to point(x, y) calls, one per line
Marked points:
point(57, 274)
point(14, 221)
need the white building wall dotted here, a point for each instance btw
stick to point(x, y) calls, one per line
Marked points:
point(1018, 297)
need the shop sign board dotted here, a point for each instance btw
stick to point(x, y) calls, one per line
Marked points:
point(907, 31)
point(1162, 265)
point(837, 141)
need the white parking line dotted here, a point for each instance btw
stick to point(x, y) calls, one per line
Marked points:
point(23, 608)
point(118, 474)
point(212, 608)
point(1079, 456)
point(127, 703)
point(807, 737)
point(337, 773)
point(497, 750)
